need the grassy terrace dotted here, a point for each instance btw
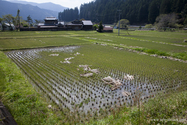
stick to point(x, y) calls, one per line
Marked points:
point(89, 100)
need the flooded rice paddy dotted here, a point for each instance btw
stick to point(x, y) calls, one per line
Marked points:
point(62, 84)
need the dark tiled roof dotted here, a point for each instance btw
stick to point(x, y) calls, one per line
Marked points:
point(51, 18)
point(74, 24)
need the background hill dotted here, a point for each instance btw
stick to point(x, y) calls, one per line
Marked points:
point(136, 11)
point(27, 9)
point(48, 5)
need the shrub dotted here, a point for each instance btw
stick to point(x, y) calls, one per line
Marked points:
point(148, 26)
point(95, 26)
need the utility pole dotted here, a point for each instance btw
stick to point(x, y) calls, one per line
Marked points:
point(18, 16)
point(119, 23)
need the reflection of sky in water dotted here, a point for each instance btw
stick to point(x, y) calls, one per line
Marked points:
point(35, 52)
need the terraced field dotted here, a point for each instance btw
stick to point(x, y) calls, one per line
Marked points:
point(146, 65)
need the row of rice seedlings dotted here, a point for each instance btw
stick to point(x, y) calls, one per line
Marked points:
point(31, 68)
point(89, 83)
point(40, 83)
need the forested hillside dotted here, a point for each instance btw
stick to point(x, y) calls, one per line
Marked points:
point(136, 11)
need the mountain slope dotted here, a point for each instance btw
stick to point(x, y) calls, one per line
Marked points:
point(136, 11)
point(25, 10)
point(48, 5)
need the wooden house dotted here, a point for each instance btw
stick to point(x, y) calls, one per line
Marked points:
point(107, 29)
point(74, 25)
point(87, 25)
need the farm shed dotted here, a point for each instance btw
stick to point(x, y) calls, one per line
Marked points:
point(108, 29)
point(74, 25)
point(87, 25)
point(50, 21)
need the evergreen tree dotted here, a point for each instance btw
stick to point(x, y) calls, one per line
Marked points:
point(153, 11)
point(136, 11)
point(100, 27)
point(29, 20)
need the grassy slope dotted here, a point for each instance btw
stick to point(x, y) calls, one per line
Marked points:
point(165, 110)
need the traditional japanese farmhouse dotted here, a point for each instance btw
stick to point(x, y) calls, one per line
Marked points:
point(74, 25)
point(87, 25)
point(51, 22)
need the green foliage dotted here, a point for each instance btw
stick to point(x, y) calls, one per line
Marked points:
point(153, 10)
point(1, 20)
point(148, 26)
point(25, 25)
point(166, 20)
point(137, 12)
point(171, 106)
point(29, 20)
point(182, 56)
point(69, 14)
point(100, 28)
point(123, 23)
point(9, 19)
point(95, 26)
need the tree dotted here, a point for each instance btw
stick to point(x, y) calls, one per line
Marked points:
point(165, 7)
point(153, 11)
point(9, 19)
point(100, 27)
point(123, 23)
point(95, 27)
point(17, 20)
point(38, 21)
point(24, 23)
point(1, 20)
point(166, 21)
point(29, 20)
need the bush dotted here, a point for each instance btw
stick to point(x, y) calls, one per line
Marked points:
point(148, 26)
point(95, 27)
point(25, 25)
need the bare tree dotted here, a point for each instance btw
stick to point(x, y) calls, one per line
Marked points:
point(166, 21)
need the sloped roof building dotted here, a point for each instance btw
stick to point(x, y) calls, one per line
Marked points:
point(87, 25)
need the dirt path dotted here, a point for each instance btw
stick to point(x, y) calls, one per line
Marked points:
point(5, 117)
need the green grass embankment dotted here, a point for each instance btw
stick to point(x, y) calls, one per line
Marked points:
point(169, 109)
